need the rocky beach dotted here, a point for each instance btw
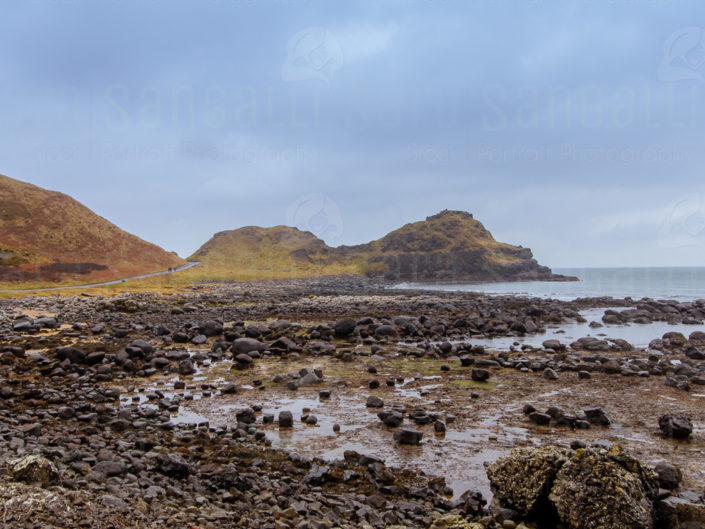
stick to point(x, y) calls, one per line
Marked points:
point(339, 402)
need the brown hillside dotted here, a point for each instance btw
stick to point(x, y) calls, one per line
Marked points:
point(47, 236)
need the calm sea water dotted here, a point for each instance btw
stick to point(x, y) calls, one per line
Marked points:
point(681, 283)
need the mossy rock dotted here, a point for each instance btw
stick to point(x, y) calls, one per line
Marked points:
point(523, 479)
point(34, 469)
point(600, 489)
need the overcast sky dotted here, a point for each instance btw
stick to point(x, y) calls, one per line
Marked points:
point(574, 128)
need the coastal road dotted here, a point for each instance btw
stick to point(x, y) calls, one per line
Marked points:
point(113, 282)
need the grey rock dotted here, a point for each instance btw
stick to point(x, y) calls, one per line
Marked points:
point(286, 419)
point(374, 402)
point(669, 476)
point(676, 425)
point(34, 469)
point(407, 436)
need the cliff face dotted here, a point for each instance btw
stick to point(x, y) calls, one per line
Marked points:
point(47, 236)
point(449, 246)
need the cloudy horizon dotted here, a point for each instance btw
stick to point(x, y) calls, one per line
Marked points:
point(573, 128)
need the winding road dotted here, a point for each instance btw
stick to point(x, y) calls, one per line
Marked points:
point(113, 282)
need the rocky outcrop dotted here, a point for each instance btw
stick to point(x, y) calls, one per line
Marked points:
point(523, 479)
point(589, 488)
point(604, 489)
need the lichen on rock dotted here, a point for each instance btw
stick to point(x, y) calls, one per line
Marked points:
point(601, 489)
point(522, 479)
point(34, 469)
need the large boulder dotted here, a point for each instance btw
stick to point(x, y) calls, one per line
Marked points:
point(589, 488)
point(601, 489)
point(523, 479)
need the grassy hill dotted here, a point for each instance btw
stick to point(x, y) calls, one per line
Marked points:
point(253, 252)
point(449, 246)
point(48, 237)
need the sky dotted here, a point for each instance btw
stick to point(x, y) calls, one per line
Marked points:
point(575, 128)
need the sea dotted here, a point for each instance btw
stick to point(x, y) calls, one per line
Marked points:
point(675, 283)
point(678, 283)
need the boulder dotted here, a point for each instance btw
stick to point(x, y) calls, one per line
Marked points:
point(286, 419)
point(601, 489)
point(553, 344)
point(550, 374)
point(247, 345)
point(407, 436)
point(391, 418)
point(675, 425)
point(597, 416)
point(589, 488)
point(540, 418)
point(480, 375)
point(308, 379)
point(186, 367)
point(669, 476)
point(246, 416)
point(523, 479)
point(344, 327)
point(386, 330)
point(147, 348)
point(682, 512)
point(243, 360)
point(374, 402)
point(110, 468)
point(34, 469)
point(172, 466)
point(211, 328)
point(73, 355)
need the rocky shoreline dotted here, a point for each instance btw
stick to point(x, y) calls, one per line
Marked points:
point(92, 388)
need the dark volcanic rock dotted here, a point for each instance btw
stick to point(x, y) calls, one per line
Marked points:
point(407, 436)
point(391, 417)
point(211, 328)
point(247, 345)
point(480, 375)
point(597, 416)
point(173, 466)
point(677, 426)
point(540, 418)
point(344, 327)
point(286, 419)
point(669, 476)
point(72, 354)
point(374, 402)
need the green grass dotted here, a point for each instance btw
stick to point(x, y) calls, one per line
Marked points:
point(471, 384)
